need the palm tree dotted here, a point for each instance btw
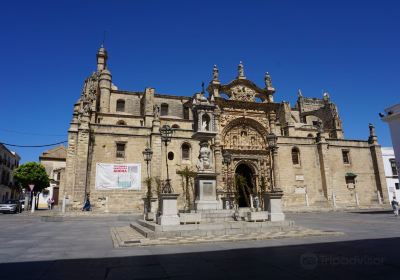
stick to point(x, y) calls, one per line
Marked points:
point(241, 183)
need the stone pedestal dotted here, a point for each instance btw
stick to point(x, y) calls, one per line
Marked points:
point(228, 202)
point(206, 191)
point(169, 210)
point(273, 204)
point(150, 212)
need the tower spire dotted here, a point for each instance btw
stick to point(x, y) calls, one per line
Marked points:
point(101, 58)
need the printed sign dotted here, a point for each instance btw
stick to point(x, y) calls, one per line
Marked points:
point(111, 176)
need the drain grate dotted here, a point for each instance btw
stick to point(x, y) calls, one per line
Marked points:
point(131, 241)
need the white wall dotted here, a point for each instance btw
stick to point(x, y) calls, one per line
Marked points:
point(43, 198)
point(387, 154)
point(393, 119)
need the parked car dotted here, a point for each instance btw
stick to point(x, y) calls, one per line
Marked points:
point(11, 206)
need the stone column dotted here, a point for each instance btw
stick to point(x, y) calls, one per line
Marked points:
point(71, 160)
point(380, 178)
point(218, 164)
point(322, 147)
point(277, 178)
point(156, 162)
point(81, 168)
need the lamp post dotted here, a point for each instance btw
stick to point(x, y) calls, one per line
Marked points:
point(272, 147)
point(147, 155)
point(227, 159)
point(166, 135)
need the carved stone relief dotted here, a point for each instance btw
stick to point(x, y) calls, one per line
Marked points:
point(244, 137)
point(242, 93)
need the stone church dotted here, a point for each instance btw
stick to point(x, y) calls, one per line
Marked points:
point(315, 165)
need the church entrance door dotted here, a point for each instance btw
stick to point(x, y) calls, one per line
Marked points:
point(244, 184)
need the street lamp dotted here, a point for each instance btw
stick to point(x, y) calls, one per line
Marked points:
point(272, 140)
point(166, 135)
point(147, 155)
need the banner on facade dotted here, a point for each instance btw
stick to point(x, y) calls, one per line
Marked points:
point(111, 176)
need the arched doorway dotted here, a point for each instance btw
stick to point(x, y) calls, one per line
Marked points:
point(244, 192)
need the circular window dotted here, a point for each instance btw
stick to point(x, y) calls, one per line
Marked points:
point(170, 155)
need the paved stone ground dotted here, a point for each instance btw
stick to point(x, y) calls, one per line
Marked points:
point(127, 237)
point(82, 248)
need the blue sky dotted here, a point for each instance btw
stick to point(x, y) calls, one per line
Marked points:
point(349, 48)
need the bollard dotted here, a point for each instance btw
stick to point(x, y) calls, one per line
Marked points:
point(357, 200)
point(334, 200)
point(33, 204)
point(307, 202)
point(26, 203)
point(63, 203)
point(106, 211)
point(379, 198)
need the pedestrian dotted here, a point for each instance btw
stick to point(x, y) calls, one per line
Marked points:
point(395, 206)
point(49, 203)
point(87, 206)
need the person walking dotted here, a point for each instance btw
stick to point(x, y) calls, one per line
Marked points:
point(395, 206)
point(87, 206)
point(49, 203)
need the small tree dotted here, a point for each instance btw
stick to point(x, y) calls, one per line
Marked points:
point(32, 173)
point(187, 176)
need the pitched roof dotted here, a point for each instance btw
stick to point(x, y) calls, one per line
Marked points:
point(59, 153)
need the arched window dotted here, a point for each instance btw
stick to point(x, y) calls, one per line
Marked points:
point(175, 126)
point(164, 109)
point(185, 151)
point(295, 156)
point(121, 122)
point(120, 105)
point(186, 113)
point(310, 135)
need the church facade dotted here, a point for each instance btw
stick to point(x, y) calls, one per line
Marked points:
point(315, 165)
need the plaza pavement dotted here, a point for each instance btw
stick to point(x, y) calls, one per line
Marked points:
point(82, 248)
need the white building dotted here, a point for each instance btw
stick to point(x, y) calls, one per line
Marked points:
point(8, 162)
point(54, 162)
point(392, 117)
point(391, 172)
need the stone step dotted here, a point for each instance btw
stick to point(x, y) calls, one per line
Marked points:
point(147, 233)
point(209, 229)
point(146, 224)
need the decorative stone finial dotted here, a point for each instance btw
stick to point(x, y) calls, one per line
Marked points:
point(371, 129)
point(372, 139)
point(215, 73)
point(299, 94)
point(326, 96)
point(241, 71)
point(267, 80)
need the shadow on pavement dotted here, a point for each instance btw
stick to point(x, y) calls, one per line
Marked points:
point(361, 259)
point(374, 212)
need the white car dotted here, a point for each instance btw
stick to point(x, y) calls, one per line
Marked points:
point(11, 206)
